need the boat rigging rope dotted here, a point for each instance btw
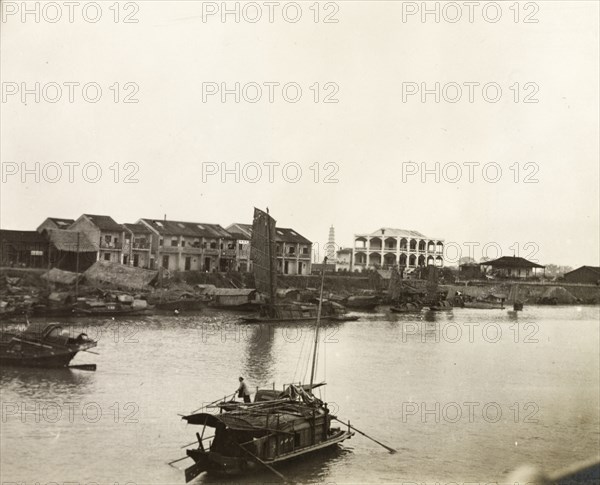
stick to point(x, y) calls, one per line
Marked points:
point(300, 358)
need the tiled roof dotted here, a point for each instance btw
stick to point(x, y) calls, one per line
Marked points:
point(64, 240)
point(22, 237)
point(138, 228)
point(511, 262)
point(61, 223)
point(240, 231)
point(189, 229)
point(595, 269)
point(104, 223)
point(282, 234)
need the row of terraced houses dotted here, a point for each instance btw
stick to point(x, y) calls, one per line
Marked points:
point(148, 243)
point(194, 246)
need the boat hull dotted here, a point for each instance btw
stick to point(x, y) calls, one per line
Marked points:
point(218, 464)
point(56, 360)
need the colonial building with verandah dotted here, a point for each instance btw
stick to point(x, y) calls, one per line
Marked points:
point(388, 248)
point(512, 267)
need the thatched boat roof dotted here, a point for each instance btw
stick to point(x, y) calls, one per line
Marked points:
point(120, 276)
point(60, 276)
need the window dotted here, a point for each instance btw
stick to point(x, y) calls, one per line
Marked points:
point(188, 263)
point(158, 223)
point(196, 243)
point(181, 225)
point(183, 243)
point(161, 242)
point(107, 239)
point(231, 245)
point(240, 247)
point(200, 227)
point(291, 250)
point(165, 262)
point(213, 245)
point(174, 242)
point(305, 250)
point(106, 256)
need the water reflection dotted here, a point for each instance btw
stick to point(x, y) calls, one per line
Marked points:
point(37, 383)
point(258, 365)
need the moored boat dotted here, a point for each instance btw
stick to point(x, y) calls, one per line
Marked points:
point(267, 432)
point(276, 427)
point(265, 276)
point(42, 345)
point(406, 308)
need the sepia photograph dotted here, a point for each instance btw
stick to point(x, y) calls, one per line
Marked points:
point(348, 242)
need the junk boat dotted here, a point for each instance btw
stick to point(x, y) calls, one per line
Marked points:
point(42, 345)
point(276, 427)
point(265, 278)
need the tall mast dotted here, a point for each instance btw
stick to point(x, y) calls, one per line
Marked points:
point(314, 361)
point(271, 285)
point(77, 268)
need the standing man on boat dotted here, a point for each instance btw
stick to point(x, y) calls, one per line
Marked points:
point(243, 391)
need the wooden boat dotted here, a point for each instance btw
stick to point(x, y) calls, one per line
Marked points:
point(109, 309)
point(275, 428)
point(406, 308)
point(264, 260)
point(442, 305)
point(257, 435)
point(42, 345)
point(361, 302)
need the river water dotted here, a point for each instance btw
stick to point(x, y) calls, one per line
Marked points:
point(464, 396)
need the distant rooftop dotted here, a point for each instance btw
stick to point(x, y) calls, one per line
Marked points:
point(61, 223)
point(104, 223)
point(282, 234)
point(188, 229)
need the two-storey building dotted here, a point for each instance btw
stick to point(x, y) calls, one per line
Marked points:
point(105, 234)
point(191, 246)
point(137, 247)
point(242, 234)
point(387, 248)
point(293, 252)
point(292, 249)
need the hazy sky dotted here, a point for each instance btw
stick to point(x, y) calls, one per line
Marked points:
point(372, 57)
